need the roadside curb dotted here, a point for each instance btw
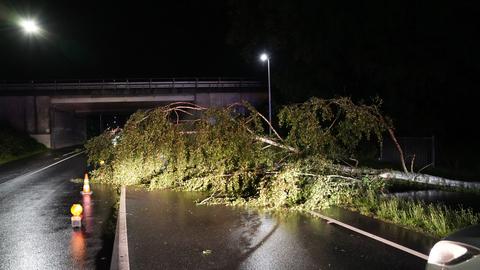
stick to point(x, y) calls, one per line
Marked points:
point(120, 258)
point(370, 235)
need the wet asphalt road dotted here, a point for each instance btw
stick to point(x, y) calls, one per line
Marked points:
point(180, 235)
point(35, 230)
point(166, 230)
point(16, 168)
point(410, 239)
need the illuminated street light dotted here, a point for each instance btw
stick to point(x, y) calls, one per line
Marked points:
point(264, 57)
point(29, 26)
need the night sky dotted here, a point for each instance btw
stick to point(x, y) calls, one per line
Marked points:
point(104, 39)
point(421, 57)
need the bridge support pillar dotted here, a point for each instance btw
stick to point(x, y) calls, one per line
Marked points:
point(37, 118)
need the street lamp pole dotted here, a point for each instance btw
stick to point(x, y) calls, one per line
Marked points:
point(269, 97)
point(264, 57)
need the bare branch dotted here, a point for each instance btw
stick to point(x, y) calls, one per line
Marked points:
point(355, 160)
point(411, 163)
point(399, 148)
point(270, 125)
point(424, 167)
point(178, 117)
point(188, 132)
point(269, 141)
point(334, 121)
point(261, 116)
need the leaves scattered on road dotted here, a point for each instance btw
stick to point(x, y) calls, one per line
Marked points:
point(207, 252)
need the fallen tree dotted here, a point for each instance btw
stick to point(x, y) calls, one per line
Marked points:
point(227, 153)
point(325, 132)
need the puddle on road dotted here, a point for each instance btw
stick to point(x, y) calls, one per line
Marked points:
point(91, 246)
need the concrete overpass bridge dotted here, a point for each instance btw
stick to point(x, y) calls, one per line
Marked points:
point(56, 112)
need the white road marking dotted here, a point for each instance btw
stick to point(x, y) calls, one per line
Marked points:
point(51, 165)
point(66, 154)
point(123, 261)
point(367, 234)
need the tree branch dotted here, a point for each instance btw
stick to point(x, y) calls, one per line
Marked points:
point(269, 141)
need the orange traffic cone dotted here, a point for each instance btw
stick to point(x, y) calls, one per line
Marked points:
point(86, 186)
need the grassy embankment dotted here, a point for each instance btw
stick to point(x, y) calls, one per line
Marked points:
point(16, 145)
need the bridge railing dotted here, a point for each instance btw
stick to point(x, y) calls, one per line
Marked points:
point(125, 84)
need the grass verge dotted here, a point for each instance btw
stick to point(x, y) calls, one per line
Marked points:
point(436, 220)
point(16, 145)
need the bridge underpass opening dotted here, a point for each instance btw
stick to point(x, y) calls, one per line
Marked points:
point(98, 122)
point(68, 128)
point(91, 119)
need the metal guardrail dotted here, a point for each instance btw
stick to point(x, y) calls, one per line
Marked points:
point(126, 84)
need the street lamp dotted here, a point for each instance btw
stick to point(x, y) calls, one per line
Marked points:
point(29, 26)
point(264, 57)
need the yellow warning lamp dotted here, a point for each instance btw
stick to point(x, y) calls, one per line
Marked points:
point(76, 211)
point(102, 162)
point(86, 186)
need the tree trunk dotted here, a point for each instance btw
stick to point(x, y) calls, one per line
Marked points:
point(429, 179)
point(412, 177)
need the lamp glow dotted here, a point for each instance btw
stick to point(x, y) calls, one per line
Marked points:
point(264, 57)
point(29, 26)
point(76, 210)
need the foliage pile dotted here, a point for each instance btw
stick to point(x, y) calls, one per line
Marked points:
point(227, 152)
